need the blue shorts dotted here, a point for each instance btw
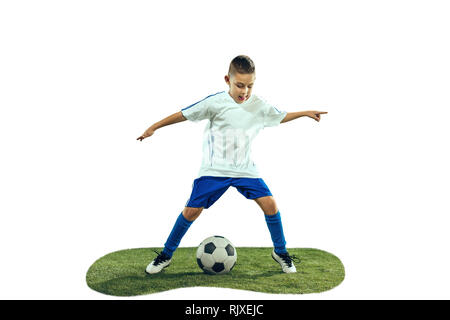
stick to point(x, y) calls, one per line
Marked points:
point(206, 190)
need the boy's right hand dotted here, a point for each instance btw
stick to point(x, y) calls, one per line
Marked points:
point(149, 132)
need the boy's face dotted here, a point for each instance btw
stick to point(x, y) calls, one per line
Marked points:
point(241, 86)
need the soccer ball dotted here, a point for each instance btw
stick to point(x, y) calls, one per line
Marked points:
point(216, 255)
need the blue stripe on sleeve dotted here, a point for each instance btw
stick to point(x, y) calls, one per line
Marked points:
point(201, 100)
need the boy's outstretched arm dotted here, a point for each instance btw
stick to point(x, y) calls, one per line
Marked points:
point(174, 118)
point(312, 114)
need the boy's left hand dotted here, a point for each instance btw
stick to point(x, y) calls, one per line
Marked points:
point(315, 114)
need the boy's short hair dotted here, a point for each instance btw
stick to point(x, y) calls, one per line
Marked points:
point(241, 64)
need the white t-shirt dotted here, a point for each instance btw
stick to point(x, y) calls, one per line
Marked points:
point(230, 131)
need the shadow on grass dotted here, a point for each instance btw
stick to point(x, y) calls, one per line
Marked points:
point(168, 276)
point(145, 284)
point(132, 285)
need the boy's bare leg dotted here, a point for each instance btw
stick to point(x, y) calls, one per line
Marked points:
point(191, 213)
point(268, 205)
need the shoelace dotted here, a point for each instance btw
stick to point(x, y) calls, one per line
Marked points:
point(288, 259)
point(160, 258)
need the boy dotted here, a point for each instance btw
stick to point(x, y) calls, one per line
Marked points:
point(235, 117)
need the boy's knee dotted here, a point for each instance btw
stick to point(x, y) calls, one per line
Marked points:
point(268, 205)
point(191, 213)
point(271, 209)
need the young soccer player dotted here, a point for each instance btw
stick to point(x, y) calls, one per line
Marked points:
point(234, 119)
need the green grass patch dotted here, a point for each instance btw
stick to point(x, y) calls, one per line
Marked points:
point(122, 273)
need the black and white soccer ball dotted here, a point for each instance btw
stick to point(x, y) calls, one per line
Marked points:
point(216, 255)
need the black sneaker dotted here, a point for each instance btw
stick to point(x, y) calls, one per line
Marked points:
point(286, 261)
point(161, 261)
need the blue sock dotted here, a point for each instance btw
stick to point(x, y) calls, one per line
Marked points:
point(178, 231)
point(276, 232)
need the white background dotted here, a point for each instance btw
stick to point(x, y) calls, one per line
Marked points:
point(81, 80)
